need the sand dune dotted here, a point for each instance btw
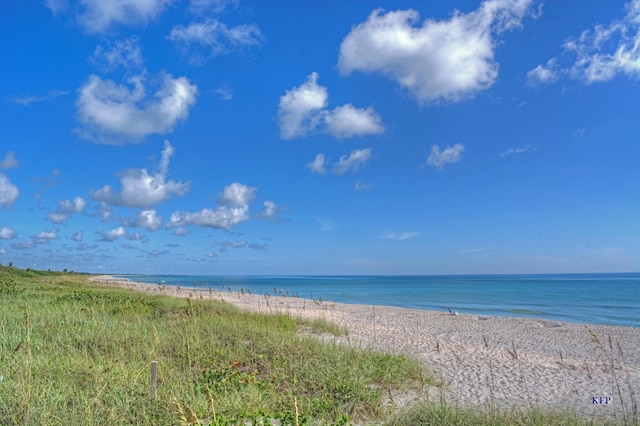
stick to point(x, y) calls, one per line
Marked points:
point(480, 359)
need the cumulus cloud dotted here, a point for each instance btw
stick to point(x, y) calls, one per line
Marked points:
point(303, 109)
point(149, 219)
point(202, 40)
point(45, 236)
point(8, 192)
point(98, 15)
point(438, 60)
point(600, 54)
point(400, 236)
point(233, 209)
point(141, 189)
point(347, 121)
point(7, 233)
point(66, 208)
point(270, 210)
point(113, 234)
point(451, 154)
point(77, 236)
point(356, 159)
point(115, 114)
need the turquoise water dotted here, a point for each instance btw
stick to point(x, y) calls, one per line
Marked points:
point(612, 299)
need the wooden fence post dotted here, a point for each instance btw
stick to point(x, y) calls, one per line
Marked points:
point(154, 378)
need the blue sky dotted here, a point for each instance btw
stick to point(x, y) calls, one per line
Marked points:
point(328, 137)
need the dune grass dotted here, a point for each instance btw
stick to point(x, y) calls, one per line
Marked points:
point(73, 353)
point(76, 354)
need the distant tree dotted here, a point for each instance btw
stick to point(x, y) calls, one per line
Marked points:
point(10, 264)
point(65, 270)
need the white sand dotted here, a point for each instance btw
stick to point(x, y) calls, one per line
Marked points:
point(480, 359)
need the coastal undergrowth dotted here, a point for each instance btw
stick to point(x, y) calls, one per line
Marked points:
point(72, 353)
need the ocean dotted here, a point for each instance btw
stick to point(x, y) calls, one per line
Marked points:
point(612, 298)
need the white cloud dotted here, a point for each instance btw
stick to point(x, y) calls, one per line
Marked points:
point(116, 114)
point(450, 60)
point(3, 251)
point(7, 233)
point(544, 74)
point(303, 109)
point(401, 236)
point(77, 236)
point(10, 161)
point(451, 154)
point(298, 108)
point(98, 15)
point(149, 219)
point(347, 121)
point(45, 236)
point(270, 209)
point(234, 208)
point(353, 161)
point(214, 6)
point(225, 92)
point(231, 244)
point(520, 150)
point(66, 208)
point(181, 232)
point(318, 164)
point(208, 38)
point(8, 192)
point(356, 159)
point(30, 99)
point(236, 195)
point(125, 54)
point(606, 51)
point(140, 189)
point(359, 185)
point(114, 234)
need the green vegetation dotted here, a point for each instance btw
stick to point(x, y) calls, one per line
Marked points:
point(73, 353)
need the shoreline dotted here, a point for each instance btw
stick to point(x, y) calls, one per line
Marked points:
point(506, 361)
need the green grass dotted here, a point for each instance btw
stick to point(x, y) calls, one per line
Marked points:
point(72, 353)
point(76, 354)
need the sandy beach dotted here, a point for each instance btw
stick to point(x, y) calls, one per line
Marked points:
point(481, 360)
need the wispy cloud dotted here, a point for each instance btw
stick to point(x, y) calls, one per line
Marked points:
point(356, 159)
point(599, 54)
point(400, 236)
point(202, 40)
point(10, 161)
point(31, 99)
point(451, 154)
point(97, 16)
point(519, 150)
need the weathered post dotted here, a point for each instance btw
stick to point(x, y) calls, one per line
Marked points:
point(154, 378)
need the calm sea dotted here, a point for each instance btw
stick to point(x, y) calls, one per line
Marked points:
point(612, 299)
